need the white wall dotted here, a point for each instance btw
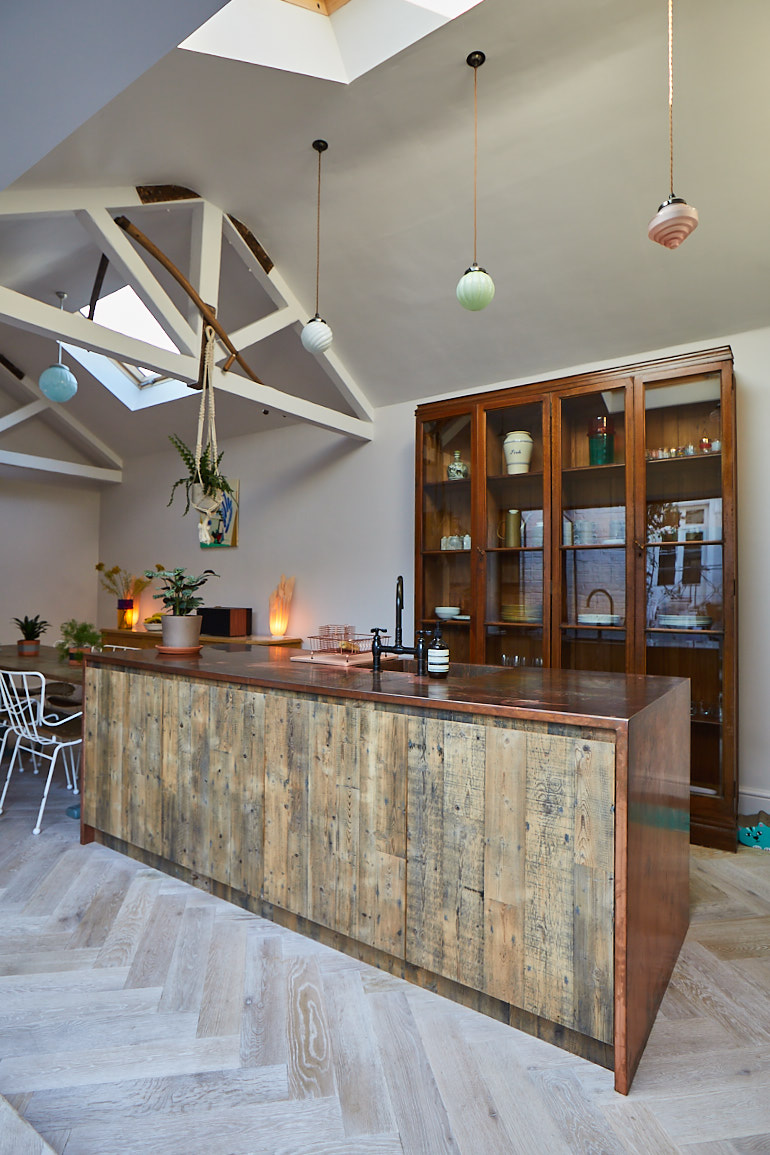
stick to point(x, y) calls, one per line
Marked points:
point(49, 536)
point(340, 517)
point(335, 514)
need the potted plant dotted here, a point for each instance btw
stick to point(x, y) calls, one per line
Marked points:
point(76, 638)
point(179, 593)
point(28, 645)
point(204, 484)
point(126, 588)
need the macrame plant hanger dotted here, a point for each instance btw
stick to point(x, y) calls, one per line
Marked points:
point(207, 504)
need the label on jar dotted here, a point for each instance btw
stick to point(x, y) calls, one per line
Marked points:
point(438, 661)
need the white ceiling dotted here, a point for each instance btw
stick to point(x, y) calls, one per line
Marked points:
point(573, 162)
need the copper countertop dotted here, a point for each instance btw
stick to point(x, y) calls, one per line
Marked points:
point(582, 697)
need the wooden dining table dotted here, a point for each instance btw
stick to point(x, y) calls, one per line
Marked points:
point(47, 663)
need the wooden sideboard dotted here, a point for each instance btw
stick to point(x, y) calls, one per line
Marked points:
point(515, 841)
point(148, 639)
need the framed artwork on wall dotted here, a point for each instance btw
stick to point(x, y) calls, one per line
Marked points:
point(220, 530)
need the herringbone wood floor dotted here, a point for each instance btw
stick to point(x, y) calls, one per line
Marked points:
point(138, 1014)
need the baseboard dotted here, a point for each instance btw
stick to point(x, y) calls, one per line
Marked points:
point(752, 799)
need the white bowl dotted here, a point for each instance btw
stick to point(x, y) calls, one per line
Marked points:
point(446, 612)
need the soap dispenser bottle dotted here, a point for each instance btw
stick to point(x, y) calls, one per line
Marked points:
point(438, 656)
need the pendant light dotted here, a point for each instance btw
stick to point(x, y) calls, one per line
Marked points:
point(316, 335)
point(475, 289)
point(57, 383)
point(675, 219)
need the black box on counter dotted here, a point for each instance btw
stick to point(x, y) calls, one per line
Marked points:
point(225, 621)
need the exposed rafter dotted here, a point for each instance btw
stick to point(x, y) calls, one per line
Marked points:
point(97, 211)
point(56, 465)
point(112, 240)
point(66, 423)
point(295, 313)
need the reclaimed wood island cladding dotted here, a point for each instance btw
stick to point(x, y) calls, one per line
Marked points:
point(515, 840)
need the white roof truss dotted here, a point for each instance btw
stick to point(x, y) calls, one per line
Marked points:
point(69, 424)
point(96, 211)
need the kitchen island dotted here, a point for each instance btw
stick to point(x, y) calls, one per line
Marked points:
point(516, 840)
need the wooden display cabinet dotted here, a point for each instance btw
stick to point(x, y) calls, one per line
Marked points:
point(614, 551)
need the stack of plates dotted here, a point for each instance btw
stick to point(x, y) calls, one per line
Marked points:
point(685, 621)
point(599, 619)
point(521, 612)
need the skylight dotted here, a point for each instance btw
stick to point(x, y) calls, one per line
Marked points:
point(135, 385)
point(354, 39)
point(123, 312)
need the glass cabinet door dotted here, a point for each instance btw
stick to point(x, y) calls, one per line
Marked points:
point(593, 572)
point(684, 550)
point(515, 540)
point(446, 531)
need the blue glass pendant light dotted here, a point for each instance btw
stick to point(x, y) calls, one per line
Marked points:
point(56, 382)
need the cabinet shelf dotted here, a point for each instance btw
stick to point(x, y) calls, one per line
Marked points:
point(515, 478)
point(684, 478)
point(673, 544)
point(518, 625)
point(444, 622)
point(458, 485)
point(591, 470)
point(514, 549)
point(597, 545)
point(582, 626)
point(683, 630)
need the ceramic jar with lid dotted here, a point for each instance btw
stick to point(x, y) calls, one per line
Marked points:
point(517, 448)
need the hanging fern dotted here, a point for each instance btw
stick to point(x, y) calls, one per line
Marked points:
point(210, 477)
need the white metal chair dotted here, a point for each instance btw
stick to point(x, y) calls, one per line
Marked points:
point(41, 734)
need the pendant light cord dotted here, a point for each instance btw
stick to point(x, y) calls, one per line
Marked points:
point(318, 235)
point(671, 93)
point(476, 152)
point(62, 298)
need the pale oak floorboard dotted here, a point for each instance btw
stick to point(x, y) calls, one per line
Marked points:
point(138, 1015)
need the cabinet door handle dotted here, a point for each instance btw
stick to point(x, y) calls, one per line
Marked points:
point(639, 547)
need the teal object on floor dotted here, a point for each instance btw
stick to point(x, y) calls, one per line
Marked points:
point(758, 836)
point(73, 811)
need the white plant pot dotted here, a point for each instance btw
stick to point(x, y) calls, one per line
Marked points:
point(205, 503)
point(517, 448)
point(181, 632)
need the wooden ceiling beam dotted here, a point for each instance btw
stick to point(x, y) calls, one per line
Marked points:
point(111, 239)
point(325, 7)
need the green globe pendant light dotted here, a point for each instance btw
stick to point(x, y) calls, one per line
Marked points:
point(475, 289)
point(56, 382)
